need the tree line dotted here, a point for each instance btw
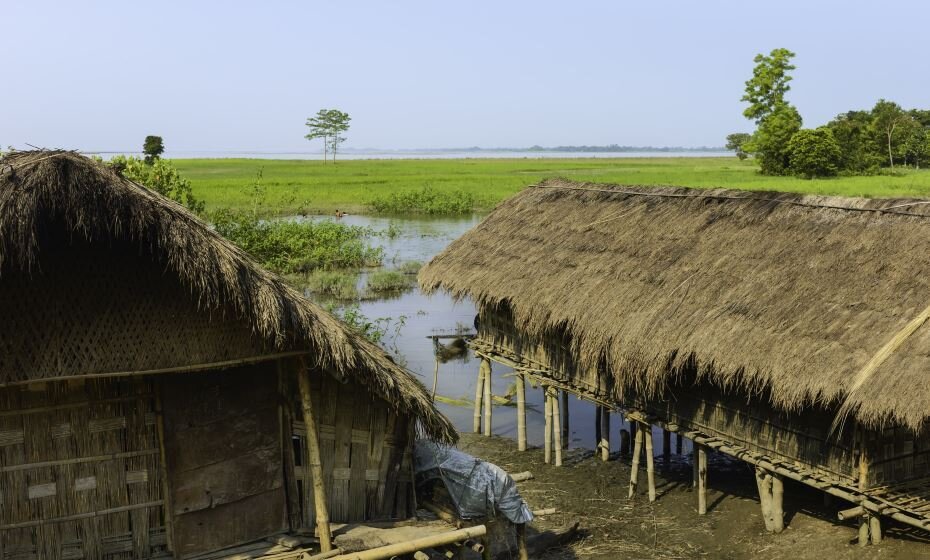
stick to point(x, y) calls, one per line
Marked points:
point(856, 142)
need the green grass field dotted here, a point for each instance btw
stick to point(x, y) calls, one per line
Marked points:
point(350, 185)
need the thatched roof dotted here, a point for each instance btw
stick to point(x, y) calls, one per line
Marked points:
point(94, 204)
point(804, 299)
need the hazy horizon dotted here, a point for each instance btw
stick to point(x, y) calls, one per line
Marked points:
point(239, 76)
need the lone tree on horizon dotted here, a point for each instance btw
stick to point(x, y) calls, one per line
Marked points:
point(330, 125)
point(153, 148)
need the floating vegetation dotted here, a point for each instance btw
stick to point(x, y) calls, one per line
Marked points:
point(341, 285)
point(427, 200)
point(389, 281)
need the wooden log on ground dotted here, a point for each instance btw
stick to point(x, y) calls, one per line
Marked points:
point(521, 476)
point(521, 412)
point(479, 392)
point(605, 434)
point(566, 431)
point(546, 511)
point(410, 547)
point(488, 403)
point(547, 430)
point(634, 468)
point(650, 461)
point(702, 480)
point(537, 544)
point(325, 555)
point(556, 426)
point(314, 462)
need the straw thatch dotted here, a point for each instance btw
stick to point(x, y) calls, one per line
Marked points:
point(94, 204)
point(783, 295)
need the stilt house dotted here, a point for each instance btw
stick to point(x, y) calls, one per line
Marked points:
point(788, 331)
point(154, 382)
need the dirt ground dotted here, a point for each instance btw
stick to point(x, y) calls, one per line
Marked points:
point(595, 493)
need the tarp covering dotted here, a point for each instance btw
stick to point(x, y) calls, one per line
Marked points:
point(477, 488)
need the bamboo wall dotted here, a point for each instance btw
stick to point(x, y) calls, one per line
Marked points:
point(80, 471)
point(366, 450)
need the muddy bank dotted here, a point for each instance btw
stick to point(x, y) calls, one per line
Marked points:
point(616, 527)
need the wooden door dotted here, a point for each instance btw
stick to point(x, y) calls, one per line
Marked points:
point(224, 457)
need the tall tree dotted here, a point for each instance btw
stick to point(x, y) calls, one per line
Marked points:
point(736, 142)
point(887, 117)
point(766, 90)
point(153, 148)
point(330, 125)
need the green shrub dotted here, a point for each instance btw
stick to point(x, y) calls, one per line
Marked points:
point(410, 267)
point(427, 200)
point(340, 285)
point(388, 281)
point(159, 176)
point(814, 153)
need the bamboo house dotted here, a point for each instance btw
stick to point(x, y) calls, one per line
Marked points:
point(155, 383)
point(784, 330)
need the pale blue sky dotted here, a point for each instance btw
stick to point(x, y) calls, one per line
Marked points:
point(245, 75)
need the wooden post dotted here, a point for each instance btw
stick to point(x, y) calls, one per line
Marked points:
point(556, 426)
point(678, 444)
point(764, 484)
point(650, 461)
point(313, 459)
point(479, 391)
point(695, 463)
point(875, 529)
point(634, 468)
point(605, 434)
point(778, 497)
point(521, 412)
point(666, 448)
point(566, 431)
point(486, 365)
point(702, 480)
point(547, 435)
point(597, 428)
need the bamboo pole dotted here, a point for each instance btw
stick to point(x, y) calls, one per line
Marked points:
point(556, 426)
point(605, 434)
point(702, 480)
point(486, 364)
point(666, 448)
point(547, 436)
point(863, 485)
point(778, 498)
point(650, 461)
point(566, 431)
point(521, 412)
point(479, 391)
point(436, 368)
point(166, 490)
point(313, 459)
point(634, 468)
point(764, 484)
point(409, 547)
point(597, 428)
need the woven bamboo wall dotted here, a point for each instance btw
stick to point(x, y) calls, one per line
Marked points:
point(898, 455)
point(80, 471)
point(366, 449)
point(103, 310)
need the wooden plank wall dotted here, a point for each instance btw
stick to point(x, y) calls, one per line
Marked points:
point(224, 448)
point(366, 449)
point(80, 471)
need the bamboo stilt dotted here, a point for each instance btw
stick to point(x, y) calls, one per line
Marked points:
point(436, 368)
point(547, 435)
point(486, 365)
point(764, 484)
point(634, 468)
point(314, 461)
point(778, 497)
point(650, 461)
point(556, 426)
point(863, 484)
point(875, 529)
point(695, 464)
point(864, 530)
point(597, 428)
point(566, 431)
point(479, 392)
point(666, 448)
point(605, 434)
point(521, 412)
point(702, 480)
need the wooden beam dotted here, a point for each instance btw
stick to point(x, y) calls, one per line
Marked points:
point(313, 458)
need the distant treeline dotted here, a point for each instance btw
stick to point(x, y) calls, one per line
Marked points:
point(619, 149)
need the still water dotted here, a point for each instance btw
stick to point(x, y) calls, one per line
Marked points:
point(419, 239)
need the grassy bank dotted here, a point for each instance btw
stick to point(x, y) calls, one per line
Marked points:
point(354, 185)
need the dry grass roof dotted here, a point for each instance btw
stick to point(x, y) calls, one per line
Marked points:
point(95, 204)
point(795, 297)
